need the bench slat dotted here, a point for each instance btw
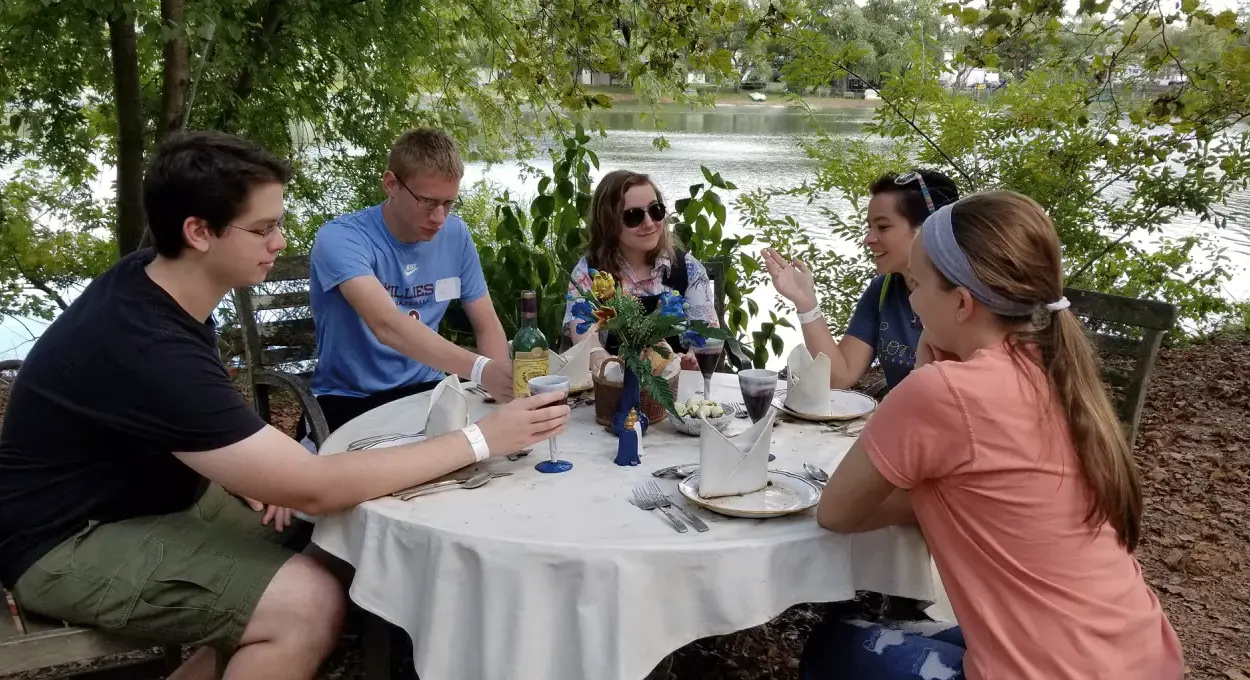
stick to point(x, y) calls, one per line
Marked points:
point(61, 646)
point(289, 268)
point(281, 300)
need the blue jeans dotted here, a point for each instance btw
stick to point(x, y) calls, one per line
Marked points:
point(859, 650)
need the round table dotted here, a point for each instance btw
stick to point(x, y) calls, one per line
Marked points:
point(558, 577)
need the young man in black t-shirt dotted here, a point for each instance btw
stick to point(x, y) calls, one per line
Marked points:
point(123, 433)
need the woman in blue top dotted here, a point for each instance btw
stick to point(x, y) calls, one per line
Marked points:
point(883, 325)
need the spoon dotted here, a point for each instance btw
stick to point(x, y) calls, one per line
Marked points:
point(477, 480)
point(820, 476)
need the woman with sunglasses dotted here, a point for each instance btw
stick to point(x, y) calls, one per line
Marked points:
point(883, 325)
point(630, 239)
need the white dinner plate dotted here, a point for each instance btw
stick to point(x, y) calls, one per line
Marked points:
point(845, 405)
point(786, 494)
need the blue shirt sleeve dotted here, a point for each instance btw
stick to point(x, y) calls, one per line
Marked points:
point(472, 280)
point(865, 320)
point(340, 253)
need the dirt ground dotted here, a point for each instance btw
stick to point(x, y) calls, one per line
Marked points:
point(1194, 453)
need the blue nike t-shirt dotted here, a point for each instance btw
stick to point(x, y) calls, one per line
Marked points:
point(422, 279)
point(889, 326)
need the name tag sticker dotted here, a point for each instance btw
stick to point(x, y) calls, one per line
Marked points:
point(447, 289)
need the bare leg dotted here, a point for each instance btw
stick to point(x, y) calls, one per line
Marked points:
point(295, 625)
point(202, 665)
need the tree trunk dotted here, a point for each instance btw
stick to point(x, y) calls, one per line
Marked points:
point(177, 71)
point(124, 49)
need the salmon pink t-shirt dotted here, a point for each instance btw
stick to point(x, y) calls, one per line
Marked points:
point(999, 494)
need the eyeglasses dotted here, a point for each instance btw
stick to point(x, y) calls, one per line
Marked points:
point(263, 233)
point(633, 217)
point(429, 204)
point(913, 176)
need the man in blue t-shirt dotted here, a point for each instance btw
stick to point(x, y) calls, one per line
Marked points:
point(381, 280)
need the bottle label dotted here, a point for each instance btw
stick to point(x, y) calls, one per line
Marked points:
point(526, 365)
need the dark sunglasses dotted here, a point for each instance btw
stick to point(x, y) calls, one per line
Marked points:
point(913, 176)
point(634, 216)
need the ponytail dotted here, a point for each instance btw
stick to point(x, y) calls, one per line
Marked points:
point(1102, 449)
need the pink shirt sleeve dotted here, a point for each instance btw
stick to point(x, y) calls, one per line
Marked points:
point(920, 431)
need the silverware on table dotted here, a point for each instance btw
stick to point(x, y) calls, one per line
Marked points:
point(817, 474)
point(643, 500)
point(663, 500)
point(473, 482)
point(676, 471)
point(370, 442)
point(519, 454)
point(850, 428)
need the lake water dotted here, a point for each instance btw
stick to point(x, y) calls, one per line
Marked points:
point(755, 146)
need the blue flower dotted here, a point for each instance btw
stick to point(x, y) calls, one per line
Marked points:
point(693, 339)
point(672, 304)
point(583, 311)
point(582, 327)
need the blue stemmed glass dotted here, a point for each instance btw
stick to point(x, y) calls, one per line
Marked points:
point(545, 385)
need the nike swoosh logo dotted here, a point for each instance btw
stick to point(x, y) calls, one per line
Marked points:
point(411, 269)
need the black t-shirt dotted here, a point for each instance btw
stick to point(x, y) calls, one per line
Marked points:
point(120, 380)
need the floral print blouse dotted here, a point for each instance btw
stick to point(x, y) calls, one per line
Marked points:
point(698, 287)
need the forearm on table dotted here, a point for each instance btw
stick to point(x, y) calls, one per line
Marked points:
point(894, 510)
point(415, 340)
point(344, 480)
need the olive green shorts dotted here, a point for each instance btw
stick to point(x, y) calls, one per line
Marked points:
point(193, 577)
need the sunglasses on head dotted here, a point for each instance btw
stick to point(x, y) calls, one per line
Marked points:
point(913, 176)
point(634, 217)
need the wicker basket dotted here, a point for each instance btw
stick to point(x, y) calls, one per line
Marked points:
point(608, 396)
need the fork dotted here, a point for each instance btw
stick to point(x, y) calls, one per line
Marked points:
point(664, 501)
point(643, 500)
point(370, 442)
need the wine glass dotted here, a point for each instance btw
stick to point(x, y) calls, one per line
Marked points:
point(758, 386)
point(708, 357)
point(547, 384)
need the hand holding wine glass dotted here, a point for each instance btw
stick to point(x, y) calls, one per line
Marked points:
point(551, 384)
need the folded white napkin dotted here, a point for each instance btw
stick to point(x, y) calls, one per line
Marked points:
point(807, 387)
point(732, 466)
point(449, 408)
point(573, 364)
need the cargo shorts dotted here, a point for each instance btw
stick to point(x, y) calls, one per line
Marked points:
point(193, 577)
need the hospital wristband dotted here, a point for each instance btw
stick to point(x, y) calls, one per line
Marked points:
point(808, 317)
point(478, 367)
point(481, 451)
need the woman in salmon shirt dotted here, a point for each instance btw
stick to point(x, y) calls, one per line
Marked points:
point(1007, 452)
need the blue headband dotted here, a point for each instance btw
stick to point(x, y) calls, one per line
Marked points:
point(949, 258)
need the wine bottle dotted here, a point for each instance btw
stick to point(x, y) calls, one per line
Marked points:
point(529, 347)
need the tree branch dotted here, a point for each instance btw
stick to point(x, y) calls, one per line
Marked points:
point(260, 41)
point(40, 285)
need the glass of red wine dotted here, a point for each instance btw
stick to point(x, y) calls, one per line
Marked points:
point(708, 357)
point(758, 387)
point(545, 385)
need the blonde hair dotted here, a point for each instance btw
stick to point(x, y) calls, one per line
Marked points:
point(1014, 249)
point(425, 151)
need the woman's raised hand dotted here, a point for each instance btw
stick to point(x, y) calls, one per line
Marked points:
point(792, 279)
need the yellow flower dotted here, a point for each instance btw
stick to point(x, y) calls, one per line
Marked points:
point(603, 286)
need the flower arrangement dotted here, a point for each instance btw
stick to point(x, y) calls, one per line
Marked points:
point(640, 333)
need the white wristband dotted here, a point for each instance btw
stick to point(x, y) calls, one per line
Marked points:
point(481, 451)
point(478, 367)
point(808, 317)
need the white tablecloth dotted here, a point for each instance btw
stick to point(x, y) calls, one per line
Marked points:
point(557, 577)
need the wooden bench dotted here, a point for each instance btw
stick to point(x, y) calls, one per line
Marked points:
point(287, 337)
point(29, 642)
point(1127, 333)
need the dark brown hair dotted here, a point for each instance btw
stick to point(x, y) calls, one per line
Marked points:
point(603, 249)
point(911, 204)
point(1013, 248)
point(207, 174)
